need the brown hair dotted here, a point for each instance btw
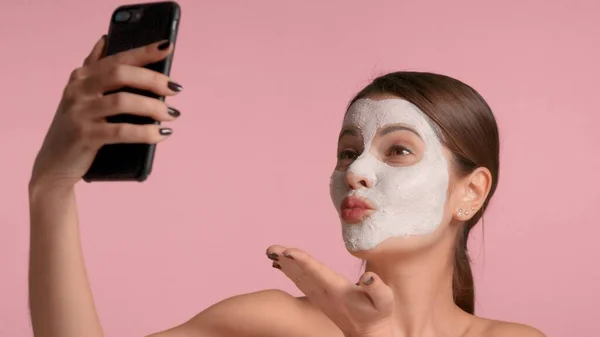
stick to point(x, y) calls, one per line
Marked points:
point(467, 127)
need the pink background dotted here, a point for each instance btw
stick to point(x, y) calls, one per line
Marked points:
point(266, 84)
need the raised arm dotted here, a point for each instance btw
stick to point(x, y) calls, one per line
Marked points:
point(60, 299)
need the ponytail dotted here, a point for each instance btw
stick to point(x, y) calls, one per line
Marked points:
point(463, 285)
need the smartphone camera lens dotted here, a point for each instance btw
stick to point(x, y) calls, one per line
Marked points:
point(136, 15)
point(122, 16)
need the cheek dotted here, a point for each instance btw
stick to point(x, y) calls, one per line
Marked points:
point(415, 184)
point(337, 188)
point(452, 198)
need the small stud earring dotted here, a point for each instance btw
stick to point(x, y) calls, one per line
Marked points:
point(460, 211)
point(466, 213)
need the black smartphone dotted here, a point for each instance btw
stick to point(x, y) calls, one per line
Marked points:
point(133, 26)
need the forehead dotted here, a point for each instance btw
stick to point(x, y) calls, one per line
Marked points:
point(370, 115)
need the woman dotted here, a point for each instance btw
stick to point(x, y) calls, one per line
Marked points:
point(417, 166)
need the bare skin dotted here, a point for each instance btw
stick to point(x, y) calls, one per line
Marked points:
point(398, 296)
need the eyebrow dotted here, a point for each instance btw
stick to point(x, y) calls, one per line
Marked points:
point(386, 130)
point(348, 132)
point(393, 128)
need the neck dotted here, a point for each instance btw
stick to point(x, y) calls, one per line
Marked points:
point(422, 286)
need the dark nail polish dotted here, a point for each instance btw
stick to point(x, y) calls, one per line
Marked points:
point(174, 112)
point(273, 256)
point(175, 86)
point(369, 281)
point(276, 265)
point(288, 256)
point(166, 131)
point(164, 46)
point(357, 283)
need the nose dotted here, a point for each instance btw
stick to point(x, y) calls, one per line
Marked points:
point(356, 181)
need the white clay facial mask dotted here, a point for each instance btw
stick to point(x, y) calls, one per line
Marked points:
point(409, 200)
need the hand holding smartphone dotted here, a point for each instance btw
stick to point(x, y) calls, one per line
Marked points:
point(134, 26)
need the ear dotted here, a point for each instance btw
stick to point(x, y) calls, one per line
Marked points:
point(473, 190)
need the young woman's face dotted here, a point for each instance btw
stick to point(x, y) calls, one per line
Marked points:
point(392, 173)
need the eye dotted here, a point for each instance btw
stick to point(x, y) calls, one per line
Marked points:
point(397, 150)
point(347, 155)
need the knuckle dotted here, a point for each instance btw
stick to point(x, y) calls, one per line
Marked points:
point(145, 134)
point(152, 135)
point(297, 254)
point(119, 131)
point(160, 109)
point(76, 74)
point(126, 57)
point(79, 131)
point(158, 78)
point(71, 92)
point(73, 110)
point(119, 100)
point(117, 73)
point(153, 108)
point(294, 251)
point(150, 49)
point(125, 132)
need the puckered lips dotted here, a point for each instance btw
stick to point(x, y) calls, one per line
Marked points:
point(355, 209)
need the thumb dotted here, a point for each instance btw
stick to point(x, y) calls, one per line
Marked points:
point(96, 52)
point(380, 295)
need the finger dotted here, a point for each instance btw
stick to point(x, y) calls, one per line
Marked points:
point(113, 133)
point(380, 295)
point(140, 56)
point(275, 252)
point(323, 274)
point(129, 103)
point(120, 76)
point(303, 280)
point(300, 266)
point(96, 52)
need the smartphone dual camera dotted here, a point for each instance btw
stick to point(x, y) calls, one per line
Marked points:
point(128, 15)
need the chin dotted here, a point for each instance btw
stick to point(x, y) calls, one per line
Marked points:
point(396, 246)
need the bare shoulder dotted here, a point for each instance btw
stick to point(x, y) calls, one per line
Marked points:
point(267, 313)
point(494, 328)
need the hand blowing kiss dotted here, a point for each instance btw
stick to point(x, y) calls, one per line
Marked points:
point(364, 309)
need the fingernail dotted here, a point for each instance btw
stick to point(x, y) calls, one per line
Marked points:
point(286, 254)
point(164, 46)
point(174, 86)
point(273, 256)
point(276, 265)
point(174, 112)
point(369, 281)
point(357, 283)
point(165, 131)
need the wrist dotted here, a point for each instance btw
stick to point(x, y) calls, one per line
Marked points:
point(40, 186)
point(41, 190)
